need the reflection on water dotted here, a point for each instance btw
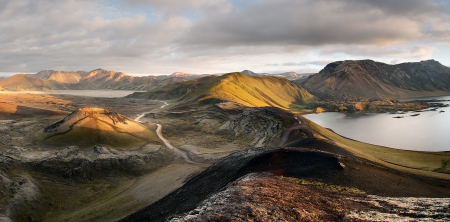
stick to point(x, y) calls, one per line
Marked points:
point(430, 131)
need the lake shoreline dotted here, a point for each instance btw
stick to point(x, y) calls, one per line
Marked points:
point(419, 130)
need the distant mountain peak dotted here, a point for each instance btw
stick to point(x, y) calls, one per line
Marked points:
point(181, 74)
point(250, 73)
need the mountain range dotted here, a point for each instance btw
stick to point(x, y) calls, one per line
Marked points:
point(360, 78)
point(95, 79)
point(370, 79)
point(102, 79)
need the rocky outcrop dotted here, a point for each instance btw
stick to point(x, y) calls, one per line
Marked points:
point(251, 127)
point(264, 197)
point(75, 164)
point(259, 126)
point(82, 165)
point(5, 139)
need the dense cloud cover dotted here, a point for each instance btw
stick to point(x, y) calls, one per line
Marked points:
point(162, 36)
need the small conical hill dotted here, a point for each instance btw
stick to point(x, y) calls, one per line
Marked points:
point(88, 126)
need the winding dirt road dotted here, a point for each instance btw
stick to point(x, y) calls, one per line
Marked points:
point(179, 152)
point(143, 114)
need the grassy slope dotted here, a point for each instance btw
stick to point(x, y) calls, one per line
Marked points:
point(250, 91)
point(259, 91)
point(419, 163)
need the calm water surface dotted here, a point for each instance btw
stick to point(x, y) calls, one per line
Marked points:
point(430, 131)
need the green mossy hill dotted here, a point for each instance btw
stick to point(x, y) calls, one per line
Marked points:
point(87, 127)
point(370, 79)
point(251, 91)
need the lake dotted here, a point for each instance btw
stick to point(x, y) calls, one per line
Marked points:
point(91, 93)
point(430, 131)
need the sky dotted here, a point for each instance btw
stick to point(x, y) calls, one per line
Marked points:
point(218, 36)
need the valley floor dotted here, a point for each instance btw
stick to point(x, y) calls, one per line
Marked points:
point(75, 197)
point(70, 184)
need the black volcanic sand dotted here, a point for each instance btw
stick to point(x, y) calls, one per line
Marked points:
point(292, 162)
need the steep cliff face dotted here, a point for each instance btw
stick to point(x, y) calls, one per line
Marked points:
point(370, 79)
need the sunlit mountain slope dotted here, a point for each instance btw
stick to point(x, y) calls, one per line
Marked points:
point(251, 91)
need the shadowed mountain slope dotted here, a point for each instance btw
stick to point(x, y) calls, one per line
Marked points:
point(43, 74)
point(251, 91)
point(87, 127)
point(370, 79)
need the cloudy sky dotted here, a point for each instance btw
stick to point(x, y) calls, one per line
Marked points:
point(217, 36)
